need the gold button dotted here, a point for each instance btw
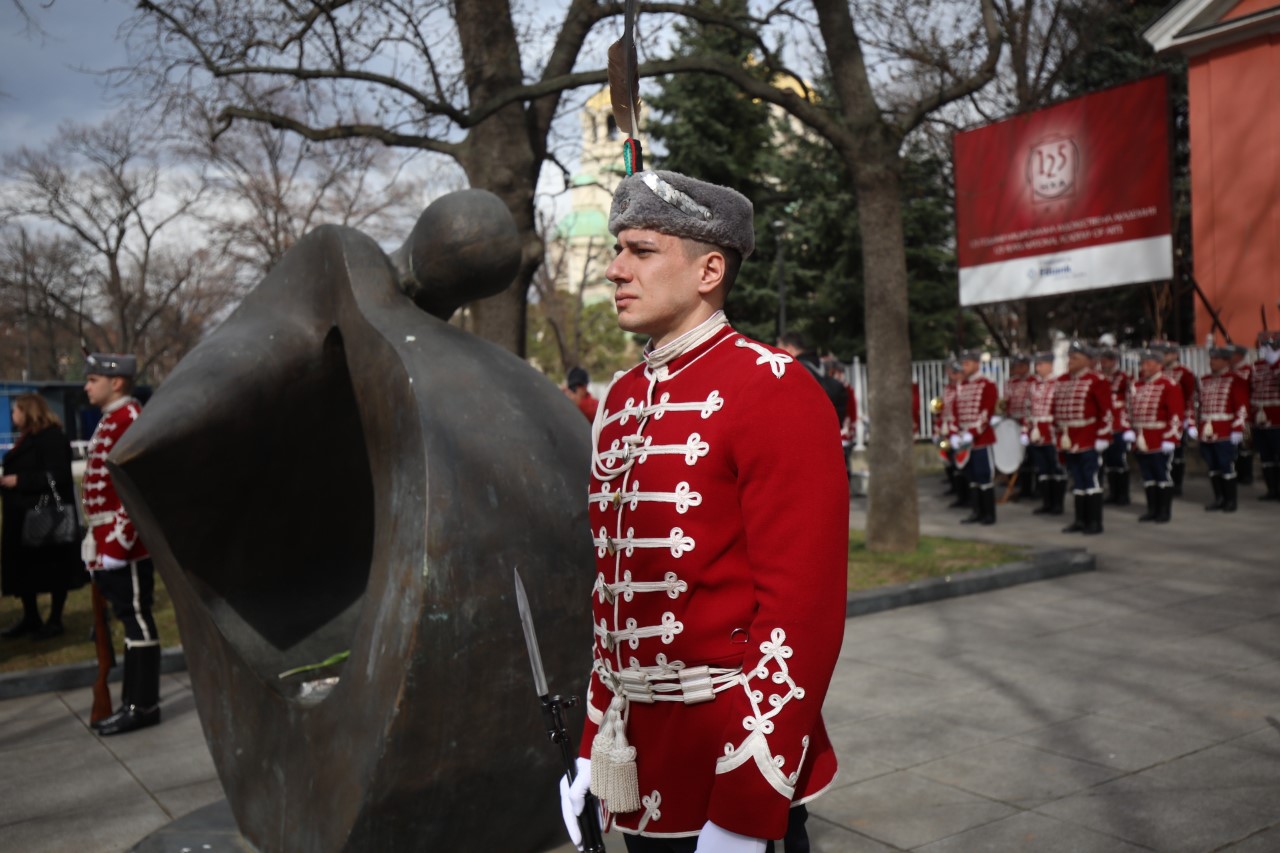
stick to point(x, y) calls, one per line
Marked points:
point(617, 499)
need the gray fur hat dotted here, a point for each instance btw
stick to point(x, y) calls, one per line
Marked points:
point(1080, 348)
point(681, 206)
point(1044, 356)
point(1150, 355)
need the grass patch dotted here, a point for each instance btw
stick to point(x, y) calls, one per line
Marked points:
point(74, 646)
point(936, 556)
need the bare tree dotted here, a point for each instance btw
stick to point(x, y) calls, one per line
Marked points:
point(41, 276)
point(441, 77)
point(274, 186)
point(105, 188)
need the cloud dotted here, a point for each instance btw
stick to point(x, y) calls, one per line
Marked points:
point(47, 79)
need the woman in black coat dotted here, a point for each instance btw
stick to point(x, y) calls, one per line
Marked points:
point(42, 449)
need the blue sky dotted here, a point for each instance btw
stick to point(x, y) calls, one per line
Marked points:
point(39, 79)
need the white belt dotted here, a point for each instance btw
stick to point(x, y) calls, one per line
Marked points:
point(98, 519)
point(1076, 424)
point(646, 685)
point(1218, 417)
point(1150, 425)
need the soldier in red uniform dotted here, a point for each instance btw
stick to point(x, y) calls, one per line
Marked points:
point(1244, 457)
point(1156, 410)
point(1264, 402)
point(1190, 398)
point(1082, 419)
point(116, 558)
point(1224, 410)
point(1017, 398)
point(1039, 438)
point(719, 509)
point(575, 388)
point(1115, 459)
point(975, 406)
point(945, 427)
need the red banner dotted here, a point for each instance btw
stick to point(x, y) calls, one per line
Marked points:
point(1071, 197)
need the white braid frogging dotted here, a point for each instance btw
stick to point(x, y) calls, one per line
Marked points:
point(759, 723)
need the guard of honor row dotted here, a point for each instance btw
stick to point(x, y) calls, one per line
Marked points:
point(1076, 427)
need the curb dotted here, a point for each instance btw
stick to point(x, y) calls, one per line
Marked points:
point(73, 676)
point(1042, 565)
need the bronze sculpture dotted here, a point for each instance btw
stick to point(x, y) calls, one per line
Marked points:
point(335, 470)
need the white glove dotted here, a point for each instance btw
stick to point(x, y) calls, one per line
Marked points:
point(1192, 432)
point(1271, 356)
point(1237, 437)
point(995, 420)
point(1024, 439)
point(955, 439)
point(966, 437)
point(1100, 445)
point(714, 839)
point(1166, 447)
point(573, 795)
point(113, 563)
point(1129, 436)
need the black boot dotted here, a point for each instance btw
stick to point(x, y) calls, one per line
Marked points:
point(30, 623)
point(1229, 492)
point(962, 491)
point(1113, 490)
point(988, 505)
point(1078, 524)
point(1122, 487)
point(1059, 496)
point(1271, 476)
point(1244, 469)
point(1216, 482)
point(141, 708)
point(1028, 482)
point(1165, 495)
point(1047, 489)
point(975, 515)
point(1093, 514)
point(1175, 473)
point(1153, 504)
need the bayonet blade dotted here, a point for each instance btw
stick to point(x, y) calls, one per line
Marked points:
point(531, 639)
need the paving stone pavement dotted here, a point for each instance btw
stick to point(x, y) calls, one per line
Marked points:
point(1115, 711)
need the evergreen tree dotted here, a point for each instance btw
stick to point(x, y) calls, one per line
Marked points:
point(805, 207)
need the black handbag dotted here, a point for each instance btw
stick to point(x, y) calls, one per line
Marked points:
point(51, 521)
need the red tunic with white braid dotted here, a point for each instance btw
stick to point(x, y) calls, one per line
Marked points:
point(1018, 397)
point(1264, 397)
point(1038, 426)
point(945, 423)
point(719, 509)
point(1082, 411)
point(1120, 382)
point(1155, 412)
point(1224, 405)
point(1187, 384)
point(976, 399)
point(109, 525)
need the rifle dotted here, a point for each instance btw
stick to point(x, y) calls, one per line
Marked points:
point(106, 658)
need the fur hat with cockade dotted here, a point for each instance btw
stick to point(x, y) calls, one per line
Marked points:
point(676, 204)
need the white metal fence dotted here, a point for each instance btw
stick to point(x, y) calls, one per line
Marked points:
point(932, 378)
